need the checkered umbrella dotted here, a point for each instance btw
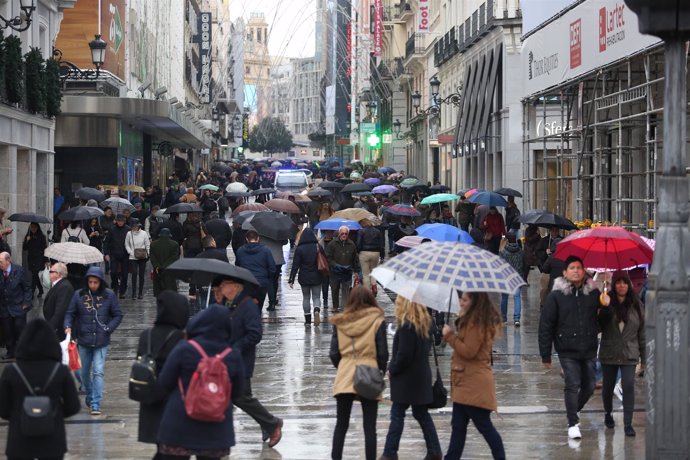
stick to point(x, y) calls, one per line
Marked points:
point(431, 273)
point(118, 204)
point(73, 253)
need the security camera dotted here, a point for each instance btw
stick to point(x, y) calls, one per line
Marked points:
point(172, 100)
point(160, 91)
point(144, 86)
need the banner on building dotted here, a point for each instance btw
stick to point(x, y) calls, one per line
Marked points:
point(204, 40)
point(378, 27)
point(591, 35)
point(423, 16)
point(245, 130)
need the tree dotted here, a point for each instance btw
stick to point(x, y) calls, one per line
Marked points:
point(14, 69)
point(35, 81)
point(53, 88)
point(271, 136)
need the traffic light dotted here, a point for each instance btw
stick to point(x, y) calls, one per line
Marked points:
point(374, 140)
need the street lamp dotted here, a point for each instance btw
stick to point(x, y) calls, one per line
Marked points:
point(416, 100)
point(435, 85)
point(436, 103)
point(70, 70)
point(27, 7)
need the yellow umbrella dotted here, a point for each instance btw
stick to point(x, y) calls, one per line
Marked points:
point(108, 187)
point(132, 188)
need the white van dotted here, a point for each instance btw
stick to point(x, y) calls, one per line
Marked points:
point(292, 180)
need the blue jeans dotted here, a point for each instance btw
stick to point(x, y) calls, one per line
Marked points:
point(395, 429)
point(311, 294)
point(517, 308)
point(579, 385)
point(93, 384)
point(462, 414)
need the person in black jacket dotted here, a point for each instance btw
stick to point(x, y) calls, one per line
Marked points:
point(168, 329)
point(310, 279)
point(569, 322)
point(211, 251)
point(220, 230)
point(371, 250)
point(35, 243)
point(38, 354)
point(174, 226)
point(57, 299)
point(116, 254)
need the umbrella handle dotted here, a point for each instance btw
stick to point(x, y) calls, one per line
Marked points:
point(208, 294)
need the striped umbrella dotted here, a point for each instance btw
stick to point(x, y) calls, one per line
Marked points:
point(73, 253)
point(402, 210)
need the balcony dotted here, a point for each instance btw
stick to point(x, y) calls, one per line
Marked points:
point(404, 11)
point(414, 47)
point(446, 47)
point(389, 69)
point(480, 23)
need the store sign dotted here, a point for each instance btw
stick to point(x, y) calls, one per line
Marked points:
point(245, 130)
point(593, 34)
point(423, 16)
point(378, 27)
point(204, 39)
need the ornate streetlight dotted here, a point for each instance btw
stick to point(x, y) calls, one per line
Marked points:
point(23, 21)
point(70, 70)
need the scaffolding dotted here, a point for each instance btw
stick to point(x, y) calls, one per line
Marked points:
point(591, 146)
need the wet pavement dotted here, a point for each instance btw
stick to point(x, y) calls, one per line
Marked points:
point(294, 376)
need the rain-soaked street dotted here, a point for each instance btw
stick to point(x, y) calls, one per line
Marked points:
point(294, 377)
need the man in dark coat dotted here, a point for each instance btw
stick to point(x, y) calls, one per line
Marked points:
point(175, 228)
point(58, 298)
point(15, 301)
point(258, 259)
point(116, 254)
point(164, 251)
point(220, 230)
point(343, 261)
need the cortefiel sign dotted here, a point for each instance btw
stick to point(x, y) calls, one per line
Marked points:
point(591, 35)
point(204, 34)
point(423, 16)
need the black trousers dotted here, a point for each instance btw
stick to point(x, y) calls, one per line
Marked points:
point(369, 413)
point(138, 270)
point(610, 373)
point(119, 272)
point(12, 328)
point(579, 385)
point(248, 403)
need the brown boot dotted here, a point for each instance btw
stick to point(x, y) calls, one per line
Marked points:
point(277, 434)
point(317, 317)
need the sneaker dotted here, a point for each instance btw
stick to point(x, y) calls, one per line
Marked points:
point(95, 411)
point(608, 421)
point(574, 432)
point(629, 430)
point(517, 323)
point(618, 391)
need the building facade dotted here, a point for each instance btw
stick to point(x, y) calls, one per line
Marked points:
point(257, 68)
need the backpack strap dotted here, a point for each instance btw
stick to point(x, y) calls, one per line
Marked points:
point(28, 385)
point(196, 345)
point(224, 353)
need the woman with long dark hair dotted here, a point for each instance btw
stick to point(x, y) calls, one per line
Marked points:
point(472, 381)
point(95, 234)
point(35, 244)
point(622, 346)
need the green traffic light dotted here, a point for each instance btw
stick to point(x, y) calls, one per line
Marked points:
point(373, 140)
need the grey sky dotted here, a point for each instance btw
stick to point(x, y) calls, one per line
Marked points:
point(534, 12)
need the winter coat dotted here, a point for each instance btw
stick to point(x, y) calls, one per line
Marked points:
point(371, 239)
point(569, 321)
point(624, 347)
point(304, 261)
point(164, 251)
point(191, 232)
point(409, 370)
point(342, 253)
point(258, 259)
point(93, 316)
point(171, 319)
point(37, 354)
point(214, 253)
point(55, 306)
point(512, 216)
point(78, 232)
point(471, 377)
point(211, 330)
point(15, 292)
point(95, 241)
point(175, 229)
point(137, 240)
point(512, 253)
point(494, 224)
point(35, 247)
point(544, 244)
point(465, 212)
point(220, 230)
point(114, 244)
point(368, 328)
point(106, 223)
point(247, 331)
point(532, 239)
point(554, 268)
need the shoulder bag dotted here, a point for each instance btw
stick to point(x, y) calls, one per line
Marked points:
point(368, 382)
point(321, 261)
point(439, 392)
point(139, 253)
point(39, 415)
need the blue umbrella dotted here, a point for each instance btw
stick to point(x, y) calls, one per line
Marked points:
point(335, 224)
point(373, 181)
point(488, 199)
point(385, 189)
point(444, 232)
point(386, 170)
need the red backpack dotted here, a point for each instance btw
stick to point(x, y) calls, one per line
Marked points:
point(208, 393)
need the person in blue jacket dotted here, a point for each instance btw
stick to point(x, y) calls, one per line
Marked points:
point(258, 259)
point(92, 316)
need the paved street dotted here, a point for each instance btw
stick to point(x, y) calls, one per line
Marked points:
point(293, 378)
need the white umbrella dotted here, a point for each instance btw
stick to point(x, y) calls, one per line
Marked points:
point(118, 204)
point(236, 187)
point(73, 253)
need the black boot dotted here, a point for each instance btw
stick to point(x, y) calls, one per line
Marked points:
point(307, 320)
point(608, 421)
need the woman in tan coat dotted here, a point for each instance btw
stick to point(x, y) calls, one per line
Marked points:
point(359, 337)
point(472, 381)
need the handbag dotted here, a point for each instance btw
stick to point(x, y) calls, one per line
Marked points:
point(438, 391)
point(38, 416)
point(368, 382)
point(139, 253)
point(74, 358)
point(321, 261)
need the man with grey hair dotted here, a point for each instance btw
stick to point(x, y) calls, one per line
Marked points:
point(15, 300)
point(343, 261)
point(58, 298)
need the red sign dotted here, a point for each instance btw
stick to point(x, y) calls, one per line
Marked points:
point(378, 27)
point(576, 44)
point(446, 138)
point(611, 23)
point(345, 141)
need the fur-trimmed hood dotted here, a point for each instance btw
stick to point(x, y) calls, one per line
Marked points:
point(564, 286)
point(355, 323)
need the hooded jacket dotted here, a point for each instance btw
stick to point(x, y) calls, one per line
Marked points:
point(569, 321)
point(258, 259)
point(38, 351)
point(247, 331)
point(304, 261)
point(512, 253)
point(164, 251)
point(365, 328)
point(211, 329)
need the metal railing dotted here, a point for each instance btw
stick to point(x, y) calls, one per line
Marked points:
point(413, 45)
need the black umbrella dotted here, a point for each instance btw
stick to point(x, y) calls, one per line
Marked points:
point(344, 180)
point(543, 218)
point(29, 217)
point(330, 184)
point(242, 216)
point(89, 193)
point(439, 188)
point(508, 192)
point(356, 187)
point(81, 213)
point(238, 194)
point(318, 192)
point(204, 271)
point(262, 191)
point(182, 208)
point(272, 225)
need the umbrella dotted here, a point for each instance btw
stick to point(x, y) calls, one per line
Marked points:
point(318, 192)
point(132, 188)
point(385, 189)
point(344, 180)
point(108, 187)
point(411, 241)
point(277, 164)
point(440, 198)
point(210, 187)
point(508, 192)
point(609, 247)
point(373, 181)
point(362, 193)
point(335, 224)
point(272, 225)
point(468, 192)
point(263, 191)
point(386, 170)
point(431, 273)
point(488, 199)
point(80, 213)
point(243, 216)
point(183, 208)
point(356, 187)
point(331, 184)
point(89, 193)
point(250, 207)
point(402, 210)
point(281, 205)
point(238, 194)
point(409, 182)
point(444, 232)
point(117, 204)
point(543, 218)
point(73, 253)
point(439, 188)
point(358, 215)
point(298, 196)
point(236, 187)
point(29, 217)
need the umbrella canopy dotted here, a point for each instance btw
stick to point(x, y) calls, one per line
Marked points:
point(281, 205)
point(373, 181)
point(508, 192)
point(386, 170)
point(73, 253)
point(210, 187)
point(298, 196)
point(80, 213)
point(402, 210)
point(385, 189)
point(263, 191)
point(488, 199)
point(250, 207)
point(444, 232)
point(318, 193)
point(356, 187)
point(468, 192)
point(89, 193)
point(204, 271)
point(409, 182)
point(277, 164)
point(335, 224)
point(132, 188)
point(344, 180)
point(183, 208)
point(243, 216)
point(439, 188)
point(440, 198)
point(543, 218)
point(236, 187)
point(29, 217)
point(411, 241)
point(238, 194)
point(609, 247)
point(272, 225)
point(117, 204)
point(362, 193)
point(327, 184)
point(362, 216)
point(431, 273)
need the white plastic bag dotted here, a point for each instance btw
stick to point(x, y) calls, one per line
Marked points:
point(44, 276)
point(65, 353)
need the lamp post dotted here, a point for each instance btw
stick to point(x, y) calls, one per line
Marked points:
point(667, 313)
point(21, 22)
point(70, 70)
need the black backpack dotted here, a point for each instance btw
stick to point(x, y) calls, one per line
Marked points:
point(38, 416)
point(72, 238)
point(143, 375)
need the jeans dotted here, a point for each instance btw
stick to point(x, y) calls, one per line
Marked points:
point(395, 429)
point(579, 385)
point(93, 384)
point(369, 411)
point(119, 271)
point(628, 384)
point(517, 305)
point(368, 260)
point(340, 291)
point(462, 414)
point(138, 270)
point(311, 293)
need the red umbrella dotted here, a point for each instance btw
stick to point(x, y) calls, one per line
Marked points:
point(250, 207)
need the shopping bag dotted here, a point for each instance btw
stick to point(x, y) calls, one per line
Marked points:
point(74, 359)
point(64, 345)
